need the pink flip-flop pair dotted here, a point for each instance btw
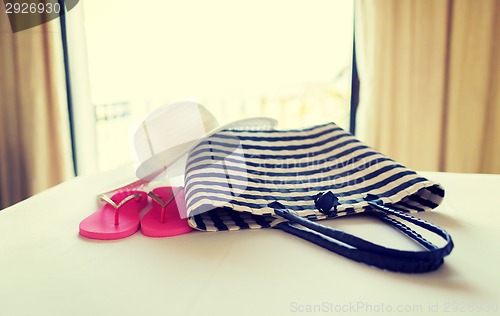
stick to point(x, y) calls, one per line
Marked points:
point(120, 216)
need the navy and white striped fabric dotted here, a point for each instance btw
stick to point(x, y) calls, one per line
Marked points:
point(232, 176)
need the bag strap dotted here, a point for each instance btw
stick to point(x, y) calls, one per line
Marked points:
point(361, 250)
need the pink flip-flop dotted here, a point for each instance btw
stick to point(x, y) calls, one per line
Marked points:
point(167, 217)
point(118, 218)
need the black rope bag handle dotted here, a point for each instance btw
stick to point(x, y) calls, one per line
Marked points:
point(358, 249)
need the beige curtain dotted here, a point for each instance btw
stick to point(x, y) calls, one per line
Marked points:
point(430, 82)
point(35, 148)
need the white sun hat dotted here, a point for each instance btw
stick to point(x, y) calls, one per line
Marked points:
point(169, 132)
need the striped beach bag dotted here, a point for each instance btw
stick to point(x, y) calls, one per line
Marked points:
point(292, 179)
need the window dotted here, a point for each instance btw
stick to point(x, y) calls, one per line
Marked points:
point(290, 60)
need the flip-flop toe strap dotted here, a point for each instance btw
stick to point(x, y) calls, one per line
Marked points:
point(119, 205)
point(158, 200)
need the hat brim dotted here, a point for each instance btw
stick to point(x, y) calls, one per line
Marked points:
point(154, 167)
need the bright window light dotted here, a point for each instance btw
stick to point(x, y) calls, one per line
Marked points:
point(290, 60)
